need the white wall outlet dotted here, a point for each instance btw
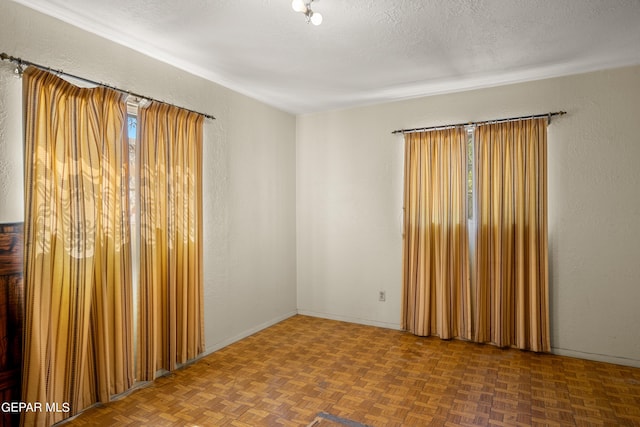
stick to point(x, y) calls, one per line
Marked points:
point(382, 296)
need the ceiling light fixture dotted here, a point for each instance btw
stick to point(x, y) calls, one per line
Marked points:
point(304, 6)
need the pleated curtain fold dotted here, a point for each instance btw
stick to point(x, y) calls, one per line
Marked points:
point(436, 292)
point(505, 300)
point(511, 241)
point(170, 296)
point(78, 309)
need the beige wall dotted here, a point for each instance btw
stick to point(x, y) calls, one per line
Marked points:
point(349, 200)
point(249, 160)
point(11, 187)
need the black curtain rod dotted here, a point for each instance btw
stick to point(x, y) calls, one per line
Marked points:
point(510, 119)
point(20, 62)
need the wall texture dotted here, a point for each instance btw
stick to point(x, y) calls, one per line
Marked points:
point(249, 160)
point(11, 193)
point(349, 205)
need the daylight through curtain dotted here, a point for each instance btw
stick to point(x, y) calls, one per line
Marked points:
point(511, 241)
point(77, 341)
point(170, 298)
point(436, 287)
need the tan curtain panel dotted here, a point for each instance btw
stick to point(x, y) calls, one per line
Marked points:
point(170, 295)
point(511, 242)
point(435, 274)
point(77, 343)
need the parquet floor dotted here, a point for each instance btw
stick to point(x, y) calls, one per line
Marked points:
point(288, 374)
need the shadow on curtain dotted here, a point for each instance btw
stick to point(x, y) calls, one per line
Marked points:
point(78, 345)
point(171, 327)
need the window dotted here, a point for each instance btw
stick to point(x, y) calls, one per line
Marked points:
point(132, 122)
point(470, 189)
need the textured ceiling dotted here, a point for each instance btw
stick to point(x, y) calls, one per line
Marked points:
point(366, 51)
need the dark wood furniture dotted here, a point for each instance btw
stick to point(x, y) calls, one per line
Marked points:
point(11, 315)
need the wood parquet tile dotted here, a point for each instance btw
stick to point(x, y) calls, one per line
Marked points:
point(288, 374)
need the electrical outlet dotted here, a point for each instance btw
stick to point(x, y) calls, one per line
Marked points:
point(382, 296)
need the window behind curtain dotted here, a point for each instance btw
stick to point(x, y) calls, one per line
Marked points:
point(505, 211)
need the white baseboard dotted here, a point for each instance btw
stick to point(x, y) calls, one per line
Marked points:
point(596, 357)
point(244, 334)
point(350, 319)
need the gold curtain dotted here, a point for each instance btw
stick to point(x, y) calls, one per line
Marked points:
point(436, 286)
point(77, 341)
point(170, 300)
point(511, 242)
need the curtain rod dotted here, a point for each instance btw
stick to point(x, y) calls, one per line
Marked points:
point(20, 62)
point(510, 119)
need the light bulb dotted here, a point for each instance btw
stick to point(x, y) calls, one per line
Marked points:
point(298, 5)
point(316, 18)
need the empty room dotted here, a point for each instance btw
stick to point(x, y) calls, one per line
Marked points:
point(320, 213)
